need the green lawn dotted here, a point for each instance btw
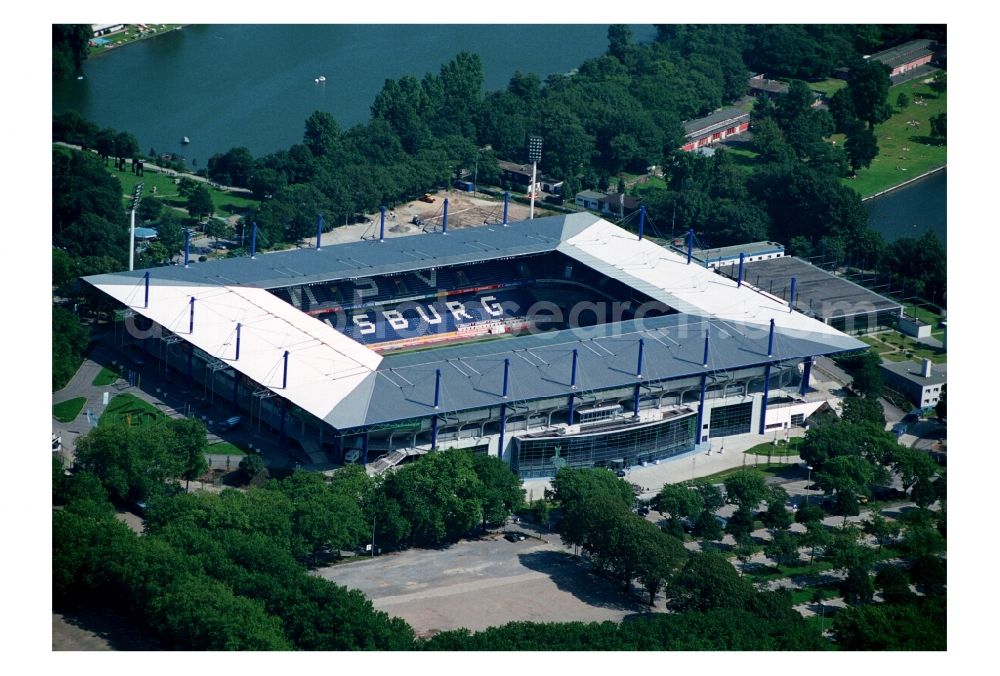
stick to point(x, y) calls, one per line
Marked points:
point(105, 377)
point(800, 596)
point(225, 203)
point(743, 157)
point(127, 406)
point(768, 573)
point(894, 346)
point(923, 314)
point(225, 448)
point(773, 468)
point(828, 87)
point(67, 411)
point(782, 449)
point(905, 150)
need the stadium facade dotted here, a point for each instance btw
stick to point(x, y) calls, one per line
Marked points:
point(560, 341)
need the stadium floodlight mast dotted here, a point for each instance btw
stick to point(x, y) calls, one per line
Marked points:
point(535, 155)
point(136, 198)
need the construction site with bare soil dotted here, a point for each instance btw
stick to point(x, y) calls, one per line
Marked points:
point(427, 214)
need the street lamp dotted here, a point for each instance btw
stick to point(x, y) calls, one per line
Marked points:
point(136, 198)
point(808, 480)
point(535, 155)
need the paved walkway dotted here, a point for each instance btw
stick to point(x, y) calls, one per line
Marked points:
point(172, 397)
point(728, 453)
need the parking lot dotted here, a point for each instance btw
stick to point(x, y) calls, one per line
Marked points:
point(488, 582)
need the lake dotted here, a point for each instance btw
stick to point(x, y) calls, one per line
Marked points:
point(912, 210)
point(254, 85)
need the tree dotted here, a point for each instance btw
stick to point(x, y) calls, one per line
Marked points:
point(777, 517)
point(200, 613)
point(740, 524)
point(659, 558)
point(707, 527)
point(322, 520)
point(189, 440)
point(322, 135)
point(868, 82)
point(783, 548)
point(69, 341)
point(583, 485)
point(678, 501)
point(861, 410)
point(919, 626)
point(858, 586)
point(706, 582)
point(848, 476)
point(912, 465)
point(895, 586)
point(861, 146)
point(69, 49)
point(501, 492)
point(439, 496)
point(619, 41)
point(941, 408)
point(930, 574)
point(746, 488)
point(846, 552)
point(939, 83)
point(902, 101)
point(809, 513)
point(867, 377)
point(939, 126)
point(816, 535)
point(217, 229)
point(881, 528)
point(134, 461)
point(199, 202)
point(252, 465)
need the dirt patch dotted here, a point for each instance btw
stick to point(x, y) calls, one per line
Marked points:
point(483, 583)
point(464, 210)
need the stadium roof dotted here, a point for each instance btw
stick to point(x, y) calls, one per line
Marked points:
point(348, 385)
point(818, 293)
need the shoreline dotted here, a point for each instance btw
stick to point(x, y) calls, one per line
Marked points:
point(97, 52)
point(905, 183)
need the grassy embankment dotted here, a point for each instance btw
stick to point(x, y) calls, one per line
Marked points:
point(906, 149)
point(67, 411)
point(105, 377)
point(129, 407)
point(225, 203)
point(225, 448)
point(783, 449)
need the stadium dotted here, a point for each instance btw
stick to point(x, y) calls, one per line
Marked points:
point(559, 341)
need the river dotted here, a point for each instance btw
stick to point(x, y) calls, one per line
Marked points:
point(254, 85)
point(912, 210)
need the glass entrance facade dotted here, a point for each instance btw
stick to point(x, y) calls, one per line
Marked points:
point(616, 443)
point(729, 420)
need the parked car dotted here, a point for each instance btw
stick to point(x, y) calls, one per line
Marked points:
point(427, 197)
point(511, 536)
point(231, 423)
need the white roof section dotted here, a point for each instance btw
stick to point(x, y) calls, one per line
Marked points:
point(693, 289)
point(324, 366)
point(336, 379)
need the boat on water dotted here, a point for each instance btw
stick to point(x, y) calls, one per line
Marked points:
point(321, 78)
point(185, 140)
